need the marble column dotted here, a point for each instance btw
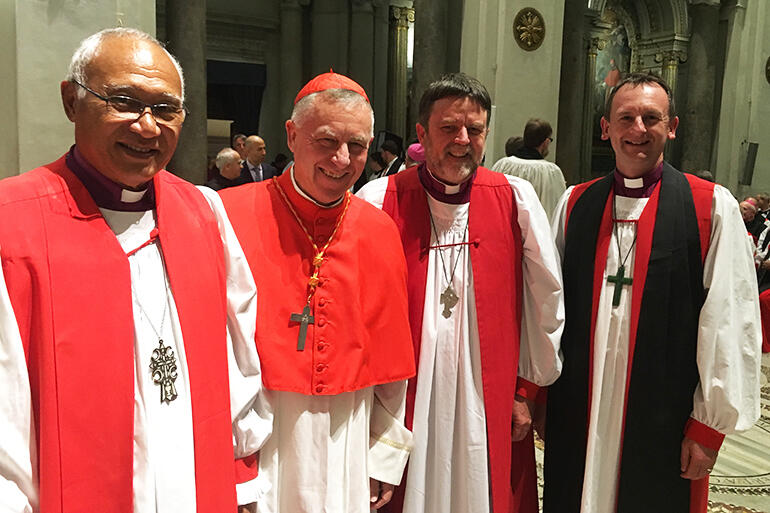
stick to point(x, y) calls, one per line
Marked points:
point(329, 36)
point(594, 45)
point(291, 54)
point(696, 129)
point(186, 35)
point(361, 45)
point(378, 96)
point(399, 25)
point(571, 92)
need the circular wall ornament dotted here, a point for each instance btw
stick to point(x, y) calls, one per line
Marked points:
point(529, 29)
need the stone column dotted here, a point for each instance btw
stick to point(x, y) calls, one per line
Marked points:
point(329, 37)
point(696, 132)
point(670, 72)
point(361, 45)
point(186, 34)
point(571, 93)
point(379, 94)
point(430, 36)
point(291, 54)
point(399, 24)
point(594, 45)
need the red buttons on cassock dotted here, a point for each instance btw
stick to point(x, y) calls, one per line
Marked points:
point(321, 345)
point(320, 367)
point(322, 301)
point(319, 389)
point(321, 323)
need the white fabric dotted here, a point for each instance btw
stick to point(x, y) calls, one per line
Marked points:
point(448, 469)
point(164, 472)
point(545, 177)
point(347, 438)
point(728, 353)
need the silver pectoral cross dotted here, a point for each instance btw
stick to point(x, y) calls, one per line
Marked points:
point(449, 300)
point(163, 367)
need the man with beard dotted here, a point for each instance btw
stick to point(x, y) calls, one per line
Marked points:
point(485, 308)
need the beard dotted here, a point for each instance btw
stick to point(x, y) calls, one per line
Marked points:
point(450, 169)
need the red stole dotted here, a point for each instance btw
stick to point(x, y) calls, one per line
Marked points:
point(702, 197)
point(360, 337)
point(69, 283)
point(495, 253)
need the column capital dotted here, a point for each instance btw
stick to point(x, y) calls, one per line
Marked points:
point(594, 44)
point(402, 15)
point(671, 57)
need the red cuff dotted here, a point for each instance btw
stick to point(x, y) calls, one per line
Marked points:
point(247, 468)
point(526, 389)
point(703, 434)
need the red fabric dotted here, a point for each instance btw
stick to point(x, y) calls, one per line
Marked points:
point(59, 257)
point(331, 80)
point(764, 309)
point(703, 197)
point(361, 333)
point(498, 288)
point(527, 389)
point(247, 468)
point(703, 434)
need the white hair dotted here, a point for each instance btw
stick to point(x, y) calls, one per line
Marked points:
point(90, 46)
point(226, 156)
point(344, 96)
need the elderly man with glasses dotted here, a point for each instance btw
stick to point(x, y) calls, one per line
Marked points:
point(122, 389)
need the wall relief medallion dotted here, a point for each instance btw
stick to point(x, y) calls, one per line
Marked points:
point(529, 29)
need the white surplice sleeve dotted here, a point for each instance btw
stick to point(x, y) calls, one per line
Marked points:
point(729, 331)
point(18, 491)
point(390, 442)
point(251, 411)
point(542, 317)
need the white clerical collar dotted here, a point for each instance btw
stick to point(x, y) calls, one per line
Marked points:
point(127, 196)
point(633, 183)
point(302, 193)
point(448, 189)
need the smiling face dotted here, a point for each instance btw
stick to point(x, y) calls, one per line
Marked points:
point(330, 142)
point(638, 128)
point(454, 138)
point(127, 152)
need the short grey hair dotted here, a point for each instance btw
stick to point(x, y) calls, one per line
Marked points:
point(90, 46)
point(226, 156)
point(344, 96)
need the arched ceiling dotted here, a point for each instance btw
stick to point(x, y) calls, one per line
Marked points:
point(655, 18)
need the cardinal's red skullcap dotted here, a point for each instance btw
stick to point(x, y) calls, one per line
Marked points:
point(327, 81)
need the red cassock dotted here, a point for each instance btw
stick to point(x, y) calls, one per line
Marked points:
point(70, 287)
point(764, 308)
point(360, 336)
point(495, 253)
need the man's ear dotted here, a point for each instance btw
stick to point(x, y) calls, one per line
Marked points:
point(672, 127)
point(420, 133)
point(69, 96)
point(605, 128)
point(291, 134)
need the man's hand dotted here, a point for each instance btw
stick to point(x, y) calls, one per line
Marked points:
point(380, 493)
point(765, 264)
point(522, 417)
point(697, 460)
point(248, 508)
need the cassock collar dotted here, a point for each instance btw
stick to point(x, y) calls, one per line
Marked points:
point(106, 193)
point(452, 194)
point(528, 154)
point(302, 193)
point(641, 187)
point(307, 209)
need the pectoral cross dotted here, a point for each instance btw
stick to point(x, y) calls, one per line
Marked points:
point(303, 319)
point(619, 280)
point(163, 367)
point(449, 300)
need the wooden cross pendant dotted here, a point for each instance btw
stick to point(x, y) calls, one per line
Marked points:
point(619, 280)
point(303, 319)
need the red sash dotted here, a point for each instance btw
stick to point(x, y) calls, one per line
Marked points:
point(495, 253)
point(69, 283)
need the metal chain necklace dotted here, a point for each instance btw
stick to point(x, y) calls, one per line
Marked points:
point(449, 297)
point(619, 279)
point(163, 365)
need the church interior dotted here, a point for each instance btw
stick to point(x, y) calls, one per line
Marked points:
point(244, 60)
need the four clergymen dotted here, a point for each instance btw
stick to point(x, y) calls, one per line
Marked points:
point(285, 346)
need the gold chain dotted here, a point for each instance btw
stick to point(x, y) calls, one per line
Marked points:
point(318, 259)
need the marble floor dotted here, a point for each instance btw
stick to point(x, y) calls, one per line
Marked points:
point(740, 482)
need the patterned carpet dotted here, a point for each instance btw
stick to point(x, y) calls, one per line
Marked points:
point(740, 482)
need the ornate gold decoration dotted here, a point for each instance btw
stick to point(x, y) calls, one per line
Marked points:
point(529, 29)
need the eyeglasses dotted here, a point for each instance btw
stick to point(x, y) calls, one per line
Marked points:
point(131, 109)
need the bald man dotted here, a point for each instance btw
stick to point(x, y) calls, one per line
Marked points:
point(254, 168)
